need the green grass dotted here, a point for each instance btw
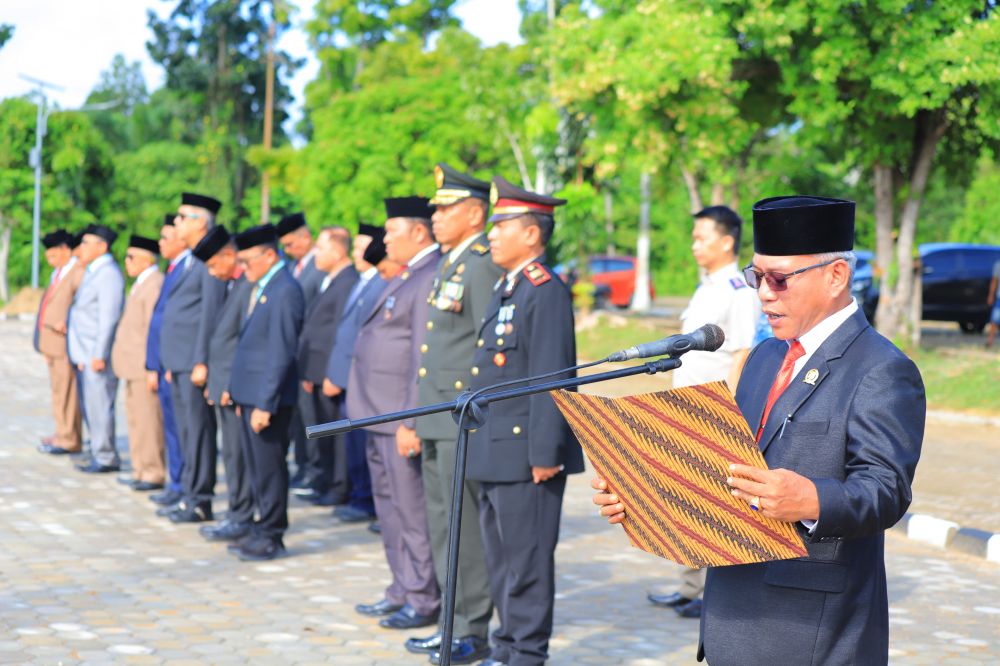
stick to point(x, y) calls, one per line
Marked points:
point(618, 332)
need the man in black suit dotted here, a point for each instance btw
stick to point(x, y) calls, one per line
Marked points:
point(264, 385)
point(838, 413)
point(521, 456)
point(326, 458)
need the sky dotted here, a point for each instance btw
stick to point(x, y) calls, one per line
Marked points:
point(70, 42)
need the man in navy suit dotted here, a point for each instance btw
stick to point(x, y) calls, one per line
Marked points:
point(838, 413)
point(173, 249)
point(264, 385)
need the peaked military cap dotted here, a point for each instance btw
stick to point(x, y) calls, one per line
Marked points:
point(102, 232)
point(263, 234)
point(375, 252)
point(290, 223)
point(201, 201)
point(454, 186)
point(216, 239)
point(57, 238)
point(408, 207)
point(510, 201)
point(143, 243)
point(794, 225)
point(168, 219)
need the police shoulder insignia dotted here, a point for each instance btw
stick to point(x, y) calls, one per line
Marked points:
point(737, 283)
point(537, 274)
point(480, 249)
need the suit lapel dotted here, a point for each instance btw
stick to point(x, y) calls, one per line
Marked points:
point(817, 368)
point(262, 299)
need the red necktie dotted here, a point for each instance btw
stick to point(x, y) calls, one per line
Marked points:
point(781, 380)
point(170, 268)
point(48, 294)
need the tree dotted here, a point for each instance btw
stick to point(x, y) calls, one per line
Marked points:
point(123, 85)
point(6, 32)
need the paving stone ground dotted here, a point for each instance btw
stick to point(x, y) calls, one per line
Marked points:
point(89, 575)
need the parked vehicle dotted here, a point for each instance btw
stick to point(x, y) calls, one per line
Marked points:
point(613, 278)
point(956, 282)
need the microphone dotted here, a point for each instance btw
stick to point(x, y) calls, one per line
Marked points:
point(707, 338)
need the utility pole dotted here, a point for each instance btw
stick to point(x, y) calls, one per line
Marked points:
point(265, 178)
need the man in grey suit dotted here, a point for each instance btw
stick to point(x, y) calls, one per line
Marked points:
point(463, 289)
point(93, 317)
point(384, 379)
point(838, 412)
point(189, 318)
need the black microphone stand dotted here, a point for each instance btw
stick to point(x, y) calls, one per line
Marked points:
point(470, 411)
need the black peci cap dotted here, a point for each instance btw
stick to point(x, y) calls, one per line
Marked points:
point(201, 201)
point(263, 234)
point(375, 252)
point(101, 231)
point(168, 219)
point(408, 207)
point(797, 225)
point(290, 223)
point(57, 238)
point(454, 186)
point(216, 239)
point(143, 243)
point(365, 229)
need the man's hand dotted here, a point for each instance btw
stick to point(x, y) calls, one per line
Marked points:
point(199, 374)
point(781, 494)
point(330, 389)
point(204, 394)
point(259, 419)
point(169, 376)
point(610, 506)
point(225, 399)
point(542, 474)
point(98, 364)
point(308, 387)
point(407, 442)
point(152, 381)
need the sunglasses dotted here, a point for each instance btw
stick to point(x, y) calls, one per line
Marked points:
point(775, 281)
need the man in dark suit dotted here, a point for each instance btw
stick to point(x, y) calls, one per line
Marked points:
point(326, 461)
point(383, 378)
point(368, 253)
point(521, 456)
point(463, 289)
point(838, 412)
point(218, 250)
point(264, 386)
point(189, 318)
point(173, 249)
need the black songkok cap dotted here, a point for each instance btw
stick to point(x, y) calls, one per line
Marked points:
point(57, 238)
point(216, 239)
point(369, 230)
point(453, 186)
point(201, 201)
point(797, 225)
point(74, 241)
point(101, 231)
point(168, 219)
point(263, 234)
point(143, 243)
point(375, 252)
point(408, 207)
point(510, 201)
point(290, 223)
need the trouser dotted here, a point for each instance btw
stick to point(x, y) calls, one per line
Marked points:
point(175, 459)
point(145, 431)
point(473, 607)
point(326, 457)
point(297, 435)
point(197, 429)
point(399, 504)
point(692, 582)
point(520, 528)
point(65, 403)
point(266, 454)
point(235, 465)
point(97, 389)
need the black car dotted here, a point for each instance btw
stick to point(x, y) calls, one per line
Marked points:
point(956, 283)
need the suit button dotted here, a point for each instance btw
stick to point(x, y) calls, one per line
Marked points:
point(422, 372)
point(430, 325)
point(480, 342)
point(499, 341)
point(475, 371)
point(423, 349)
point(458, 385)
point(517, 430)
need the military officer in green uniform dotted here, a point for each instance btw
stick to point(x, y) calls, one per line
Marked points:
point(463, 287)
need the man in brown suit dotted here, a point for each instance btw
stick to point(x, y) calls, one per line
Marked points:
point(128, 360)
point(50, 341)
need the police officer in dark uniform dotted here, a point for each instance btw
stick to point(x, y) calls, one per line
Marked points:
point(463, 289)
point(521, 456)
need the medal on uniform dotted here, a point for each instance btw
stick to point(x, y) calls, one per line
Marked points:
point(460, 269)
point(499, 329)
point(499, 359)
point(390, 303)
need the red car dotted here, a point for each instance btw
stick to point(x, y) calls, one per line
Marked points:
point(612, 277)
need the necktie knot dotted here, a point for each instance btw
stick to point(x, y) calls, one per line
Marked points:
point(795, 352)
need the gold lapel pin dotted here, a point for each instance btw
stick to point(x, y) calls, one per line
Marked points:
point(811, 377)
point(263, 299)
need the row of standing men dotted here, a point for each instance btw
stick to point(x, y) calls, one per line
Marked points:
point(244, 340)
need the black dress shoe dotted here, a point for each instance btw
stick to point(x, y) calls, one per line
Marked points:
point(146, 486)
point(329, 498)
point(94, 467)
point(197, 513)
point(427, 645)
point(349, 514)
point(466, 650)
point(54, 450)
point(375, 528)
point(168, 497)
point(407, 617)
point(125, 480)
point(668, 600)
point(379, 608)
point(260, 549)
point(691, 609)
point(225, 531)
